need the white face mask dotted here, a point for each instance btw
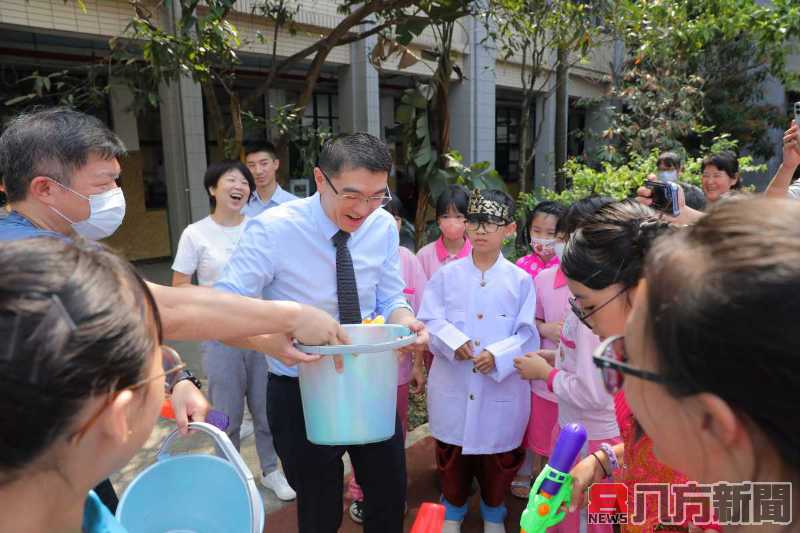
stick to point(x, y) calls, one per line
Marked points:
point(107, 210)
point(545, 244)
point(559, 248)
point(667, 176)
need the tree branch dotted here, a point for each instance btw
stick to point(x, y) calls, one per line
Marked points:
point(326, 44)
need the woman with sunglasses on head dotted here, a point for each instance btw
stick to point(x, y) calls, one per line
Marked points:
point(603, 263)
point(710, 357)
point(82, 379)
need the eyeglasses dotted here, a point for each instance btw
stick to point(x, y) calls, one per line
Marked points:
point(172, 364)
point(487, 227)
point(583, 315)
point(612, 359)
point(354, 198)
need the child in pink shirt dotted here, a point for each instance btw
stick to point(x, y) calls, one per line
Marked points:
point(451, 213)
point(571, 376)
point(415, 279)
point(540, 233)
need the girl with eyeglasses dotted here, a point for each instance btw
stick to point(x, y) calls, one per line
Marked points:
point(571, 376)
point(552, 306)
point(710, 354)
point(603, 263)
point(82, 379)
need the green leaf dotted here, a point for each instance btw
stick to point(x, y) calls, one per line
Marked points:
point(404, 114)
point(423, 156)
point(20, 99)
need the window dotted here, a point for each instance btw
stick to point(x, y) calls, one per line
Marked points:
point(154, 174)
point(506, 147)
point(576, 128)
point(323, 112)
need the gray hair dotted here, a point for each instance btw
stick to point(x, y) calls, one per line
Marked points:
point(53, 142)
point(352, 151)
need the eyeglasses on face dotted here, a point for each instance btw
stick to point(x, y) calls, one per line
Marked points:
point(612, 359)
point(171, 363)
point(582, 315)
point(484, 226)
point(356, 198)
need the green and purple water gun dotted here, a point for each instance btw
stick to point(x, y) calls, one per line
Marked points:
point(552, 491)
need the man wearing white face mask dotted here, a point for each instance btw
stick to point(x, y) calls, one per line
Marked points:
point(106, 211)
point(59, 169)
point(669, 167)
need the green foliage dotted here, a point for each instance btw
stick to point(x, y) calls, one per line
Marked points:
point(532, 30)
point(694, 71)
point(432, 173)
point(620, 180)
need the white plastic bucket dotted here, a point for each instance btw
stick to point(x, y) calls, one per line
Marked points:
point(358, 405)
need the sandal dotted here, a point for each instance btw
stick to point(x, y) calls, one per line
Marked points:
point(521, 487)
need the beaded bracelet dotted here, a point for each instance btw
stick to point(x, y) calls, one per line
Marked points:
point(612, 457)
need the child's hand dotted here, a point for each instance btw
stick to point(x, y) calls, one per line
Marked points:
point(532, 366)
point(484, 362)
point(418, 378)
point(586, 472)
point(551, 330)
point(464, 353)
point(549, 356)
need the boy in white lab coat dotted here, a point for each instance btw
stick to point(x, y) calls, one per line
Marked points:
point(479, 311)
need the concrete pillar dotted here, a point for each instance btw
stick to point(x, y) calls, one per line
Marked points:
point(122, 116)
point(544, 163)
point(359, 91)
point(472, 101)
point(183, 134)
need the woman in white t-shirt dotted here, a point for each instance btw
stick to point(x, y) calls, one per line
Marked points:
point(233, 374)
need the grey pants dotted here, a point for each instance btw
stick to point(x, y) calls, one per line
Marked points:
point(236, 375)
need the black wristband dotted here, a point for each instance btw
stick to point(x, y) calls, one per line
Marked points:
point(600, 463)
point(184, 375)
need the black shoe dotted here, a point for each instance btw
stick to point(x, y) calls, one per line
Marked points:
point(357, 511)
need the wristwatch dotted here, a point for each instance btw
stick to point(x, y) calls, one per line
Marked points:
point(184, 375)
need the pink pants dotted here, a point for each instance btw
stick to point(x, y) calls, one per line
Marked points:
point(572, 522)
point(353, 489)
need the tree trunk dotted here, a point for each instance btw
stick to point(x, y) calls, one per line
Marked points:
point(420, 217)
point(525, 146)
point(216, 119)
point(234, 150)
point(562, 74)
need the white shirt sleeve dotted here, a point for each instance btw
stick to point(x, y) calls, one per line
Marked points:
point(445, 338)
point(794, 191)
point(524, 339)
point(188, 255)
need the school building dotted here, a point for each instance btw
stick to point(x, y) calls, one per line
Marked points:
point(170, 147)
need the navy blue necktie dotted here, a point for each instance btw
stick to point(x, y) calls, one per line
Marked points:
point(346, 288)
